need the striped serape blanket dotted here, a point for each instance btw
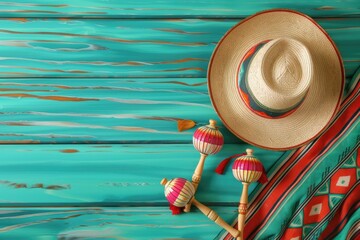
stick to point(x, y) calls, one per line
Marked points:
point(314, 191)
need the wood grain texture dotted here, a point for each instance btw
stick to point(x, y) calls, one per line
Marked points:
point(131, 48)
point(103, 110)
point(108, 223)
point(158, 8)
point(120, 175)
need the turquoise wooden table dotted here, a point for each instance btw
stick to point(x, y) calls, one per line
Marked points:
point(90, 95)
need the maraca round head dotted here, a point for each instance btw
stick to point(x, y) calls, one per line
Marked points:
point(247, 168)
point(208, 139)
point(178, 191)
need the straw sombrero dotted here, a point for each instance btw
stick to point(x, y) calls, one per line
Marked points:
point(276, 79)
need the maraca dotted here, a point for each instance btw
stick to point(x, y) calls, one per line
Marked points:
point(179, 192)
point(247, 169)
point(207, 140)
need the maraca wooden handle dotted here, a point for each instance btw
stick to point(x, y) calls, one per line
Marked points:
point(212, 215)
point(196, 177)
point(243, 210)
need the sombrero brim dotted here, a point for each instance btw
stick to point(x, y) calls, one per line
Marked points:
point(322, 100)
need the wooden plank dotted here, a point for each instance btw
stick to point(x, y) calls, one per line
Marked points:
point(108, 223)
point(131, 48)
point(103, 110)
point(116, 175)
point(158, 8)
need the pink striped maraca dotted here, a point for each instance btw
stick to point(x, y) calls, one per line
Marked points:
point(208, 140)
point(178, 191)
point(247, 169)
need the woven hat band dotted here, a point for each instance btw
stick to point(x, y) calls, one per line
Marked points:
point(277, 75)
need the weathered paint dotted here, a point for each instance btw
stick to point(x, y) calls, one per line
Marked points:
point(130, 48)
point(48, 174)
point(106, 110)
point(173, 8)
point(108, 223)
